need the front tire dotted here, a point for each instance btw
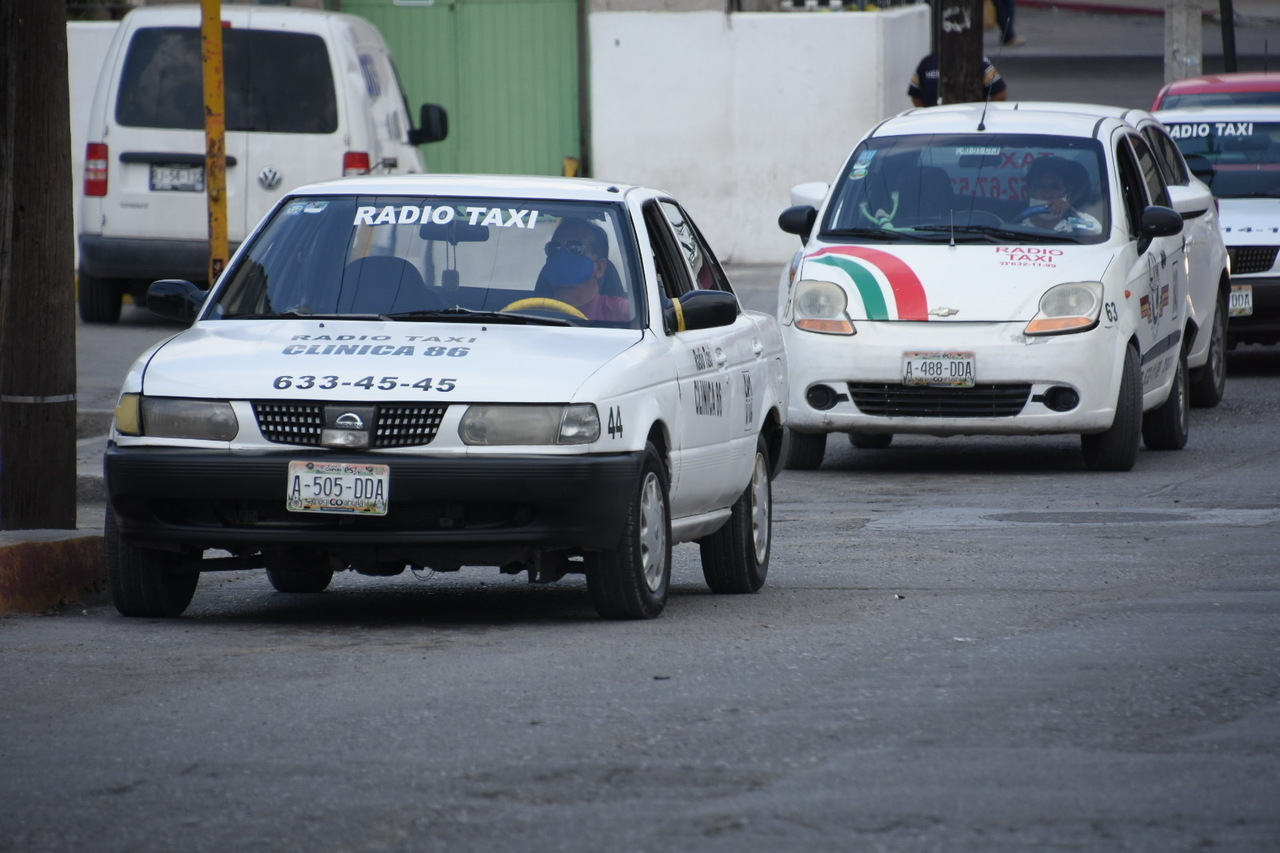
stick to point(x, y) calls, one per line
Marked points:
point(1209, 382)
point(143, 581)
point(735, 559)
point(99, 299)
point(1116, 449)
point(805, 450)
point(632, 581)
point(1165, 427)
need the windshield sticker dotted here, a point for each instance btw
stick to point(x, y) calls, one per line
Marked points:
point(294, 209)
point(315, 206)
point(1215, 128)
point(860, 165)
point(982, 152)
point(410, 214)
point(1022, 256)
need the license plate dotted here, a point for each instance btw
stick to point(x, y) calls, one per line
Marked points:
point(947, 369)
point(337, 487)
point(179, 178)
point(1241, 304)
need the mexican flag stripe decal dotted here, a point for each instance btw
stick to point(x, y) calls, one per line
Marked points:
point(908, 292)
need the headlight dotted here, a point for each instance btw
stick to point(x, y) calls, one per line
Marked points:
point(1067, 308)
point(819, 306)
point(173, 417)
point(530, 425)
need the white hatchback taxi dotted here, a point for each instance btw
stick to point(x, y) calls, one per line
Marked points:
point(545, 375)
point(998, 272)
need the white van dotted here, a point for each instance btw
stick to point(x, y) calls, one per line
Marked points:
point(310, 95)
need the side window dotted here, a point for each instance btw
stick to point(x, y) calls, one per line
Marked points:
point(703, 266)
point(673, 275)
point(1170, 156)
point(1131, 187)
point(1150, 168)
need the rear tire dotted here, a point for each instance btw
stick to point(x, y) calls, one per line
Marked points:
point(1209, 381)
point(871, 440)
point(143, 581)
point(805, 450)
point(1165, 427)
point(1117, 448)
point(632, 581)
point(735, 559)
point(99, 299)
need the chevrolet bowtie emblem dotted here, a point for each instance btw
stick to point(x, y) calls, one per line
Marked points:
point(943, 312)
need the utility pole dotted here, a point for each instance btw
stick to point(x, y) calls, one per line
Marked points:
point(215, 125)
point(959, 51)
point(37, 295)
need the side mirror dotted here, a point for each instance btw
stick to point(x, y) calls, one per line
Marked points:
point(175, 299)
point(1159, 221)
point(798, 220)
point(1190, 201)
point(702, 309)
point(433, 125)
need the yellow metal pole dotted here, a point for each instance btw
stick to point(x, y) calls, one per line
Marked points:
point(215, 126)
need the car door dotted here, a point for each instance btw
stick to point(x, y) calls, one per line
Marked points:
point(710, 463)
point(1156, 277)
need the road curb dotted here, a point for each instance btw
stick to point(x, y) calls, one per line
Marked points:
point(51, 568)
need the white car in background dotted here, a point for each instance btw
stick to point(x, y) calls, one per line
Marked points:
point(1236, 151)
point(546, 375)
point(926, 299)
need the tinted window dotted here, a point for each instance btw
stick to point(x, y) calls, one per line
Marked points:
point(275, 82)
point(1150, 171)
point(1237, 159)
point(1220, 99)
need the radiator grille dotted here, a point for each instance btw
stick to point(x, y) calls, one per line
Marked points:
point(1252, 259)
point(916, 401)
point(397, 424)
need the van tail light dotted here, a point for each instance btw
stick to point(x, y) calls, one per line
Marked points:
point(95, 169)
point(354, 163)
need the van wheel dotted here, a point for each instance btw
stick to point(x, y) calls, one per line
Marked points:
point(632, 581)
point(1210, 381)
point(735, 559)
point(143, 581)
point(1165, 427)
point(99, 299)
point(1117, 448)
point(805, 450)
point(871, 440)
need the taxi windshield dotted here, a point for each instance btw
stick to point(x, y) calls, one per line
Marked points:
point(425, 259)
point(1237, 159)
point(989, 188)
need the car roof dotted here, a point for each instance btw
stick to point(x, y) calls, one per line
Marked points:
point(1236, 81)
point(515, 186)
point(990, 118)
point(1132, 115)
point(1224, 112)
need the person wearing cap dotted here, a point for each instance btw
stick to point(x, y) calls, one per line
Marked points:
point(577, 262)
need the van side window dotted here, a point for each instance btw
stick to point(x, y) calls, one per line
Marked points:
point(276, 82)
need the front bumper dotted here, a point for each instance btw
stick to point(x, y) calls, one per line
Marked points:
point(481, 510)
point(1015, 376)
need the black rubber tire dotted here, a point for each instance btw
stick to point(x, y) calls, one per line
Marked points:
point(871, 440)
point(632, 581)
point(735, 559)
point(299, 571)
point(805, 450)
point(1165, 427)
point(143, 581)
point(99, 299)
point(1116, 449)
point(1209, 381)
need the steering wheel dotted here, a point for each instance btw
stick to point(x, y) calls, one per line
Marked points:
point(544, 302)
point(1038, 210)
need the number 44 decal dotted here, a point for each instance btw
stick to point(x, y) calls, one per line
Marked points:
point(615, 422)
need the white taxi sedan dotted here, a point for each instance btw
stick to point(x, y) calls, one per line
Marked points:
point(545, 375)
point(998, 272)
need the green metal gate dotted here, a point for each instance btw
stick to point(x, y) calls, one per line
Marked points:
point(507, 71)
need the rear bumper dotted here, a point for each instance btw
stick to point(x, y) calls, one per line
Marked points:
point(147, 260)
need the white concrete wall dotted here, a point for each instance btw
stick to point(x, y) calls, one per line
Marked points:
point(728, 112)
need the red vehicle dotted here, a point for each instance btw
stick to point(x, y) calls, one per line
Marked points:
point(1242, 88)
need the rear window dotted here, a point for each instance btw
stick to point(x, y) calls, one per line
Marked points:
point(275, 82)
point(1220, 99)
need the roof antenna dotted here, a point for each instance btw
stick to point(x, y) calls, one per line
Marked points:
point(952, 214)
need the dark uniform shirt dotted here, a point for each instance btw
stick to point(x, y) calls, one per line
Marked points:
point(924, 83)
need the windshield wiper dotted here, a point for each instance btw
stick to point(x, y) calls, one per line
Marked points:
point(869, 234)
point(1004, 233)
point(467, 315)
point(298, 315)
